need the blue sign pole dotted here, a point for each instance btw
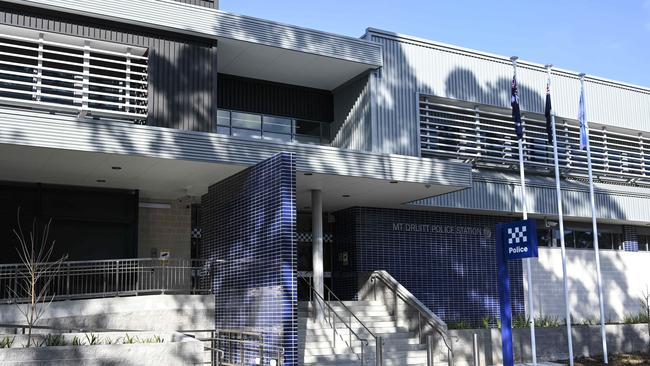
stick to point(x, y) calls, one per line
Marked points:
point(504, 299)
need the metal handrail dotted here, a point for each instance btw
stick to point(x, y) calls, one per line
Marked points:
point(331, 294)
point(332, 322)
point(438, 325)
point(113, 277)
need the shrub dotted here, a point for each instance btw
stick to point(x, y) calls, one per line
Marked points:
point(7, 342)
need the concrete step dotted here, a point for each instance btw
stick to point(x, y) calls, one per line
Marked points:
point(390, 359)
point(316, 346)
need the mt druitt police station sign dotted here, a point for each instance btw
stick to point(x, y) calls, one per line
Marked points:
point(442, 229)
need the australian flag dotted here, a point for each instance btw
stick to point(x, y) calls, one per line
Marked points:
point(547, 113)
point(516, 113)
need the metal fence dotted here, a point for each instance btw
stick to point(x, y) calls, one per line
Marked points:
point(104, 278)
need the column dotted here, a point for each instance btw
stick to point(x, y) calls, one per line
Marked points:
point(317, 240)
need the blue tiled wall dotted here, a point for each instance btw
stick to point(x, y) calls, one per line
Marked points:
point(630, 239)
point(446, 260)
point(248, 234)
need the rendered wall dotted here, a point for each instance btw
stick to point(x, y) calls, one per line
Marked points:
point(445, 260)
point(248, 232)
point(148, 312)
point(625, 275)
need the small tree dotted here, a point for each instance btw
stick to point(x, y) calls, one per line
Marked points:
point(36, 275)
point(645, 304)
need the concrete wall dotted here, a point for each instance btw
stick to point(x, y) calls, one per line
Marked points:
point(165, 229)
point(175, 349)
point(625, 275)
point(151, 312)
point(551, 343)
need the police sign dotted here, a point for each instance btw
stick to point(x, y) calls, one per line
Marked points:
point(515, 240)
point(519, 239)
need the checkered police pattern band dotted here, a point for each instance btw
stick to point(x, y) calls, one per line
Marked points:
point(517, 235)
point(306, 238)
point(196, 233)
point(447, 260)
point(248, 228)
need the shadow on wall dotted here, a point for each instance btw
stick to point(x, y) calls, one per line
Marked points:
point(182, 80)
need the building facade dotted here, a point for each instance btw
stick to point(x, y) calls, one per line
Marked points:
point(143, 127)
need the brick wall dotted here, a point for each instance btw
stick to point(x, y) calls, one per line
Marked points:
point(165, 229)
point(248, 234)
point(446, 260)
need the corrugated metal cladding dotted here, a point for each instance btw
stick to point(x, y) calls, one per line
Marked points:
point(201, 22)
point(352, 115)
point(58, 131)
point(612, 202)
point(205, 3)
point(266, 97)
point(412, 65)
point(181, 84)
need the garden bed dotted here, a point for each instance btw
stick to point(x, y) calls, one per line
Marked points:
point(617, 359)
point(137, 348)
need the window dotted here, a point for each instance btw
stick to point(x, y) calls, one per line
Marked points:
point(271, 128)
point(644, 242)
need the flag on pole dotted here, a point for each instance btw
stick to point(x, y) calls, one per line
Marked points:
point(547, 112)
point(516, 113)
point(582, 118)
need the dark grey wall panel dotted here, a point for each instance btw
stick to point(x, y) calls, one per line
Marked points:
point(352, 115)
point(206, 3)
point(261, 96)
point(181, 83)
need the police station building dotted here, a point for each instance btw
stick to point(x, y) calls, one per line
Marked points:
point(299, 163)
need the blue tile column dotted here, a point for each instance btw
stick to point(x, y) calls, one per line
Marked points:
point(630, 239)
point(249, 222)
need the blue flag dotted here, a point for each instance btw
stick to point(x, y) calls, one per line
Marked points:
point(516, 113)
point(582, 118)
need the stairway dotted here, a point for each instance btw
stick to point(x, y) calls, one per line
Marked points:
point(315, 338)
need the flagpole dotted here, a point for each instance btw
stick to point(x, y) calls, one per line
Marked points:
point(558, 192)
point(603, 335)
point(525, 217)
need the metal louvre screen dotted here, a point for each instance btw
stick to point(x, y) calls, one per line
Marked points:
point(70, 74)
point(485, 136)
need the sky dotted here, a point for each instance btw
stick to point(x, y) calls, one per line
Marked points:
point(609, 39)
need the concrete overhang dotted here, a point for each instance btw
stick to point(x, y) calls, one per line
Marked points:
point(168, 163)
point(247, 46)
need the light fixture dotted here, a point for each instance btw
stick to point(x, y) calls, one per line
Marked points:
point(116, 167)
point(345, 195)
point(393, 182)
point(154, 205)
point(101, 180)
point(309, 174)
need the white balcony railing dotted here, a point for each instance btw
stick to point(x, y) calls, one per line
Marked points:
point(73, 75)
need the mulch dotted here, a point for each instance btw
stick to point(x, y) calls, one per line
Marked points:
point(619, 359)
